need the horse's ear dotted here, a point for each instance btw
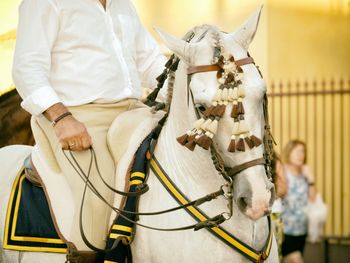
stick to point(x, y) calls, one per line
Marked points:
point(246, 32)
point(180, 47)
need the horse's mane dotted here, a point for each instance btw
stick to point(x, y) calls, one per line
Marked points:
point(204, 27)
point(7, 94)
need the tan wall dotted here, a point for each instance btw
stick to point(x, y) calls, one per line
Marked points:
point(308, 43)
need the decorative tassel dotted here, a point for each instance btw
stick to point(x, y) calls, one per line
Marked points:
point(208, 112)
point(240, 145)
point(221, 111)
point(241, 91)
point(213, 127)
point(235, 130)
point(255, 140)
point(230, 95)
point(215, 111)
point(205, 124)
point(249, 142)
point(242, 127)
point(232, 146)
point(197, 125)
point(240, 108)
point(183, 139)
point(204, 141)
point(191, 145)
point(234, 112)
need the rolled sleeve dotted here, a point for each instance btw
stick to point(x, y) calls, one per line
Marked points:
point(40, 100)
point(36, 34)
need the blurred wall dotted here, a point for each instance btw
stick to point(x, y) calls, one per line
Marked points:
point(8, 23)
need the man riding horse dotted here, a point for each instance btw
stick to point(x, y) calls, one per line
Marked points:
point(77, 66)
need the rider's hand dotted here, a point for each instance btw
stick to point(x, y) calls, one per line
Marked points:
point(71, 133)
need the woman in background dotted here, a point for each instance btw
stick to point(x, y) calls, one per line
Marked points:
point(301, 188)
point(280, 182)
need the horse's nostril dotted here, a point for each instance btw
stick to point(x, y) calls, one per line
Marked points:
point(243, 202)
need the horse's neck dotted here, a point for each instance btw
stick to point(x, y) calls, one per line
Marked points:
point(181, 117)
point(194, 172)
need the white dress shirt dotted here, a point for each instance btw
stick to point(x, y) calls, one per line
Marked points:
point(76, 52)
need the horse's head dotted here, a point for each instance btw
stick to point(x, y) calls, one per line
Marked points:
point(231, 90)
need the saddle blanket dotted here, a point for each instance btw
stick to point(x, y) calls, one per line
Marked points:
point(29, 226)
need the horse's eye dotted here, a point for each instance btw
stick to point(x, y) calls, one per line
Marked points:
point(201, 108)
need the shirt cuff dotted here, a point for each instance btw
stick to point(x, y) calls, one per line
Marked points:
point(40, 100)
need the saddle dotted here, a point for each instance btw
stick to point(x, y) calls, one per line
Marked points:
point(42, 161)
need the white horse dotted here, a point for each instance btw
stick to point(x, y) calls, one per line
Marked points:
point(193, 172)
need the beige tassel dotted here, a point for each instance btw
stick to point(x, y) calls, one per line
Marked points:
point(235, 93)
point(230, 95)
point(243, 127)
point(241, 91)
point(213, 127)
point(199, 123)
point(205, 124)
point(224, 94)
point(217, 96)
point(235, 130)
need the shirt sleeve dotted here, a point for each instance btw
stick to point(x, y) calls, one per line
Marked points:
point(149, 59)
point(36, 34)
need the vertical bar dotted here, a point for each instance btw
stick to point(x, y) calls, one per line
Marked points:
point(316, 167)
point(273, 101)
point(342, 175)
point(336, 159)
point(281, 117)
point(332, 192)
point(298, 108)
point(306, 109)
point(326, 162)
point(289, 119)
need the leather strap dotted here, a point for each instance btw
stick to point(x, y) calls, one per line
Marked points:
point(204, 68)
point(244, 61)
point(215, 67)
point(237, 169)
point(86, 257)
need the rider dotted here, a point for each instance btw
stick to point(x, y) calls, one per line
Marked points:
point(78, 65)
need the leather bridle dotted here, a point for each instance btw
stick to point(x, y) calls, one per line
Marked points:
point(268, 139)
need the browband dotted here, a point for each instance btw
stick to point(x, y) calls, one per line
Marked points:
point(216, 67)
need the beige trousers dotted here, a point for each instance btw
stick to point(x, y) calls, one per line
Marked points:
point(97, 119)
